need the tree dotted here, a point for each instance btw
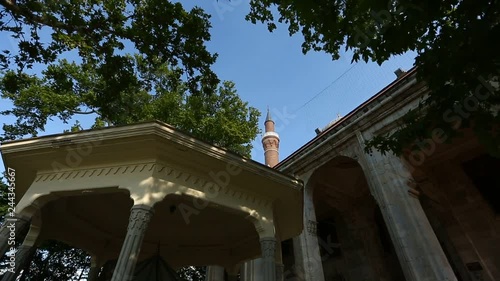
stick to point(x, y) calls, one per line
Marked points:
point(4, 202)
point(122, 61)
point(54, 260)
point(67, 89)
point(192, 273)
point(456, 54)
point(98, 31)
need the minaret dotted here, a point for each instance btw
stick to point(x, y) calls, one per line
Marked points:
point(270, 142)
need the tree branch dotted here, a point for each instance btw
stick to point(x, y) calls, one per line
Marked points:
point(30, 17)
point(10, 6)
point(83, 112)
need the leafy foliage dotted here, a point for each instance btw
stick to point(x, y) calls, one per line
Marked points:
point(54, 261)
point(98, 31)
point(122, 61)
point(456, 52)
point(67, 89)
point(3, 199)
point(192, 273)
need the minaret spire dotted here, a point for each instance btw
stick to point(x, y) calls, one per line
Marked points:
point(270, 142)
point(268, 117)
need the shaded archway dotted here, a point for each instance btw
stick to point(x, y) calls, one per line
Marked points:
point(182, 225)
point(89, 219)
point(354, 243)
point(191, 231)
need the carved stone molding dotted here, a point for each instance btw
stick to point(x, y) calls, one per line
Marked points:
point(140, 215)
point(268, 247)
point(312, 227)
point(262, 227)
point(94, 172)
point(166, 172)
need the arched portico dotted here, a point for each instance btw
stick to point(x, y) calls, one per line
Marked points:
point(352, 241)
point(379, 204)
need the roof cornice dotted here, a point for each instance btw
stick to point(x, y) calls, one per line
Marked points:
point(144, 129)
point(389, 92)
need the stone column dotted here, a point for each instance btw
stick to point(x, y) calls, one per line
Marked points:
point(215, 273)
point(416, 244)
point(252, 270)
point(308, 262)
point(280, 267)
point(11, 228)
point(268, 246)
point(140, 216)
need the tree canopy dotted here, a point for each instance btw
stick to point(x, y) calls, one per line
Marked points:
point(122, 61)
point(132, 61)
point(456, 45)
point(66, 90)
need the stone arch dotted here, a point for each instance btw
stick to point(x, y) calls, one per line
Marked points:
point(182, 224)
point(168, 181)
point(78, 218)
point(32, 202)
point(350, 238)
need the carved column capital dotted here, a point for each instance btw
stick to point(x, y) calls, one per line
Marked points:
point(140, 215)
point(268, 246)
point(312, 227)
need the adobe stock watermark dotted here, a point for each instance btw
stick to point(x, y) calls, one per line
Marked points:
point(297, 272)
point(222, 7)
point(282, 118)
point(212, 189)
point(10, 219)
point(75, 153)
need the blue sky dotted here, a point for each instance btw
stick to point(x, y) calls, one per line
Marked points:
point(303, 92)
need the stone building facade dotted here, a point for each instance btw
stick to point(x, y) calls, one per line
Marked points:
point(431, 215)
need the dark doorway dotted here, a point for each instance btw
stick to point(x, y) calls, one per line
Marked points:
point(484, 173)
